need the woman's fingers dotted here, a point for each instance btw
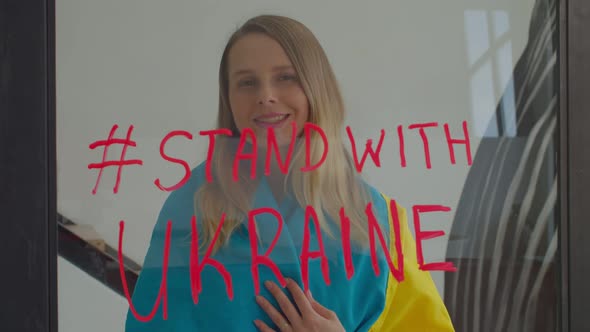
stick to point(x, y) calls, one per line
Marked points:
point(318, 308)
point(286, 306)
point(314, 316)
point(321, 310)
point(262, 326)
point(309, 297)
point(300, 299)
point(273, 313)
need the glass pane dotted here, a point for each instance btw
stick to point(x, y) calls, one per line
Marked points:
point(439, 125)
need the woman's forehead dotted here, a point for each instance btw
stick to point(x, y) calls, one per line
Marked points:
point(257, 52)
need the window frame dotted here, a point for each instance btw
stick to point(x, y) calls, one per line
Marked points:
point(28, 174)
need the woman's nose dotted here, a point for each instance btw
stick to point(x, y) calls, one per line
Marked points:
point(266, 95)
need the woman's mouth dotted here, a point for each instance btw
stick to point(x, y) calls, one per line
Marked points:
point(271, 121)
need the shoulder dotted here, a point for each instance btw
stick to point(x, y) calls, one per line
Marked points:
point(379, 202)
point(179, 205)
point(196, 180)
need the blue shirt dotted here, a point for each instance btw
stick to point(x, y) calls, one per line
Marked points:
point(358, 302)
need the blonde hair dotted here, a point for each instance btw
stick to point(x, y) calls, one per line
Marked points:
point(335, 184)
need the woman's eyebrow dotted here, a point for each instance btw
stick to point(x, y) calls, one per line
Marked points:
point(278, 68)
point(248, 71)
point(241, 72)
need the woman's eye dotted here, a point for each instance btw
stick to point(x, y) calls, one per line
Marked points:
point(288, 77)
point(247, 82)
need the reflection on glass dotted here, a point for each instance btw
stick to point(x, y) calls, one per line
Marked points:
point(477, 35)
point(508, 115)
point(483, 99)
point(490, 62)
point(504, 236)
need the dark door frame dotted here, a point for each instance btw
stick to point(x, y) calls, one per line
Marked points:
point(28, 164)
point(574, 165)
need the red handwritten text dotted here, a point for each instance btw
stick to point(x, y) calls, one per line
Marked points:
point(120, 163)
point(196, 266)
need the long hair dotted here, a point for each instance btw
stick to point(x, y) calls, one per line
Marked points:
point(332, 186)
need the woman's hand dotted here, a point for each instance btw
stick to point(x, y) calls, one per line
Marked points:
point(314, 317)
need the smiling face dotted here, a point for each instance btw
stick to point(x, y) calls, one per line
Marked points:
point(264, 90)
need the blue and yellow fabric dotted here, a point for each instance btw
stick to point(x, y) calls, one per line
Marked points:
point(366, 302)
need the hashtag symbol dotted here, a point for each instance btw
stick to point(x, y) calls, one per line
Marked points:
point(120, 163)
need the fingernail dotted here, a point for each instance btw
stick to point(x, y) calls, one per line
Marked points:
point(256, 323)
point(268, 284)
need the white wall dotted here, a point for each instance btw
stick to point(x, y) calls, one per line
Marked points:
point(153, 64)
point(85, 304)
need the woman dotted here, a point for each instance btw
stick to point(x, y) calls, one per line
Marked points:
point(274, 74)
